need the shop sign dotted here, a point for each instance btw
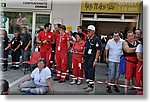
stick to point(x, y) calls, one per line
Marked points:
point(69, 28)
point(111, 6)
point(26, 4)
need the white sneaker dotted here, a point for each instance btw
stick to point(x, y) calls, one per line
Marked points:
point(73, 82)
point(89, 89)
point(79, 82)
point(87, 80)
point(25, 89)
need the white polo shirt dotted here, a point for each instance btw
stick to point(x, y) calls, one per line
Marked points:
point(40, 78)
point(139, 48)
point(115, 50)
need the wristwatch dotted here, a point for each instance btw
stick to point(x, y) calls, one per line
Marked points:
point(95, 60)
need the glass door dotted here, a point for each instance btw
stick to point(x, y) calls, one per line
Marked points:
point(38, 22)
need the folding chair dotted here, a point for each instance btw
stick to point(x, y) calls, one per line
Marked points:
point(35, 56)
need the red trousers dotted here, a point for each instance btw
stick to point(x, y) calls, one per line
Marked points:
point(130, 67)
point(61, 65)
point(47, 56)
point(139, 74)
point(77, 66)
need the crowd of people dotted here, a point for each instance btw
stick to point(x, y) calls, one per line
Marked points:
point(85, 48)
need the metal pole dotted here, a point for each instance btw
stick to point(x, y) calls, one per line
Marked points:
point(33, 30)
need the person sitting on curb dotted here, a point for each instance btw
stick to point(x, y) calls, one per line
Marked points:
point(39, 81)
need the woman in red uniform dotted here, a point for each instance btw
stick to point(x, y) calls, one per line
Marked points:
point(77, 59)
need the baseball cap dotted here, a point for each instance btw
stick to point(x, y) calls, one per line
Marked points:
point(91, 27)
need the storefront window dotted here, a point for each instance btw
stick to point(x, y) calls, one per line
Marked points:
point(41, 19)
point(16, 20)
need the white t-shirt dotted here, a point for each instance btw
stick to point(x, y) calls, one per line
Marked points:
point(115, 50)
point(40, 78)
point(139, 48)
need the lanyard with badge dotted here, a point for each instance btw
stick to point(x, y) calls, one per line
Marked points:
point(90, 48)
point(61, 36)
point(0, 44)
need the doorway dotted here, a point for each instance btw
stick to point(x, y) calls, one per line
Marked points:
point(38, 21)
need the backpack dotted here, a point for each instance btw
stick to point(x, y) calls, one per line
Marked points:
point(122, 66)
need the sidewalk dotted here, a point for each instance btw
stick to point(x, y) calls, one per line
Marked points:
point(14, 76)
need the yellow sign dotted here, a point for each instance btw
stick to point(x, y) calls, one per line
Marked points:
point(69, 28)
point(111, 6)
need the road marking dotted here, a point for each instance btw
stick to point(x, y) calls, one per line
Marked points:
point(17, 81)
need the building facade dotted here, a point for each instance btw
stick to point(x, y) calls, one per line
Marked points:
point(105, 16)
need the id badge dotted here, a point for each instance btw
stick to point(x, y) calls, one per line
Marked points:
point(21, 43)
point(58, 48)
point(90, 51)
point(12, 42)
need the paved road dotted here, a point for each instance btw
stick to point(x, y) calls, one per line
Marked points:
point(14, 76)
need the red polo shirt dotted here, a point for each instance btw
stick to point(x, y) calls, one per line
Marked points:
point(79, 47)
point(49, 36)
point(56, 35)
point(62, 42)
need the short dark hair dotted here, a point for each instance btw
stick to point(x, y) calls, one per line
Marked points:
point(116, 32)
point(41, 60)
point(58, 25)
point(80, 35)
point(80, 27)
point(4, 86)
point(129, 31)
point(63, 27)
point(16, 31)
point(25, 28)
point(139, 30)
point(47, 25)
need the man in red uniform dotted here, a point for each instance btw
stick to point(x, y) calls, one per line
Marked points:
point(129, 47)
point(80, 30)
point(139, 69)
point(56, 33)
point(62, 45)
point(46, 39)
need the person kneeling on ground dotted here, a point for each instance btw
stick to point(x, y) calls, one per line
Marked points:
point(39, 81)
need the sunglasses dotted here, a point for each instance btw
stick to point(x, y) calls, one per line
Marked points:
point(89, 31)
point(116, 35)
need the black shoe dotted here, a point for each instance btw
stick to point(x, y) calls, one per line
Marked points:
point(125, 93)
point(4, 70)
point(67, 78)
point(56, 79)
point(116, 89)
point(85, 87)
point(12, 67)
point(108, 89)
point(61, 81)
point(15, 68)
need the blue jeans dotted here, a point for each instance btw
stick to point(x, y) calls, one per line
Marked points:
point(25, 56)
point(113, 71)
